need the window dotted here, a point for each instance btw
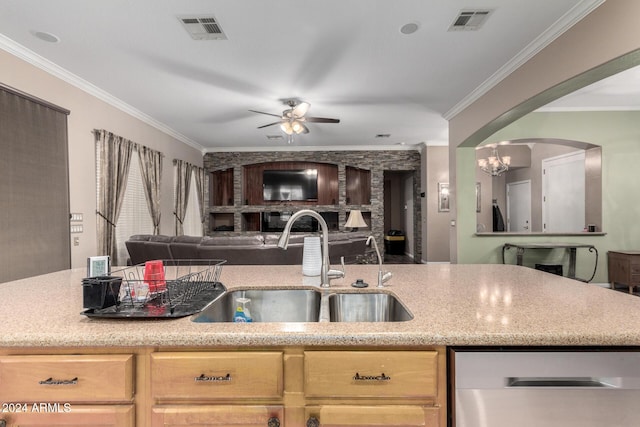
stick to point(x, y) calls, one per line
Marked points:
point(134, 214)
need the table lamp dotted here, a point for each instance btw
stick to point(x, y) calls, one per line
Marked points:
point(355, 220)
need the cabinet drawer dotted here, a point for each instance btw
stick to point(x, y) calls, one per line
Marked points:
point(365, 416)
point(635, 268)
point(215, 415)
point(224, 375)
point(66, 378)
point(77, 416)
point(370, 373)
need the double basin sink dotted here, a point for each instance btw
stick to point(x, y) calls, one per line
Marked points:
point(307, 305)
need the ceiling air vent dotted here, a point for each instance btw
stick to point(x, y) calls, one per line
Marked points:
point(203, 27)
point(470, 20)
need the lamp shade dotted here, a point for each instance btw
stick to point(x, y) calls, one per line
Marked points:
point(355, 219)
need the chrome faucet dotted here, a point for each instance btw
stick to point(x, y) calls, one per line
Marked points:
point(383, 276)
point(326, 274)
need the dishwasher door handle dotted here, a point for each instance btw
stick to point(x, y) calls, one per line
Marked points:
point(560, 382)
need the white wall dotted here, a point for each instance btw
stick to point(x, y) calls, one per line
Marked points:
point(88, 113)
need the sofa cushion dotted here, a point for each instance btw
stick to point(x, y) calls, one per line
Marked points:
point(161, 238)
point(187, 239)
point(140, 237)
point(251, 240)
point(185, 247)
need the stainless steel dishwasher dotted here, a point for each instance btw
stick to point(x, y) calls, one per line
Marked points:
point(546, 388)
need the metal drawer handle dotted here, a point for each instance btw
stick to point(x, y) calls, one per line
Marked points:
point(212, 378)
point(381, 377)
point(51, 381)
point(273, 422)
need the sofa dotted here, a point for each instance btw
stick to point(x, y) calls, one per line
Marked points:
point(248, 249)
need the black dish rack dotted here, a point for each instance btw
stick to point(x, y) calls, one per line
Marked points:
point(186, 287)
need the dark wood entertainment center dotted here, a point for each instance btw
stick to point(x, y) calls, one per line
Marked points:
point(347, 180)
point(222, 195)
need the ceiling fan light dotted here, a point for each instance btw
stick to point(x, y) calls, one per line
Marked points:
point(301, 109)
point(297, 127)
point(286, 128)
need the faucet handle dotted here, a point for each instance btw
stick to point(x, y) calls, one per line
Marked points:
point(337, 274)
point(384, 277)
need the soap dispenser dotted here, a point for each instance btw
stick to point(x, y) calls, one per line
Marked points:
point(242, 314)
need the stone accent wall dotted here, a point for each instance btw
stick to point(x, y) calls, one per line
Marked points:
point(375, 161)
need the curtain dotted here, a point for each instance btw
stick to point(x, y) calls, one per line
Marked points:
point(114, 153)
point(151, 171)
point(201, 176)
point(183, 181)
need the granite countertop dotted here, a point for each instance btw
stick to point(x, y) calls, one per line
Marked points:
point(451, 304)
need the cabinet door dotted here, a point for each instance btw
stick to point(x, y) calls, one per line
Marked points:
point(217, 416)
point(364, 416)
point(66, 378)
point(375, 374)
point(76, 416)
point(222, 375)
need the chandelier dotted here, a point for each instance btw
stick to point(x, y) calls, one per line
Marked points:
point(494, 165)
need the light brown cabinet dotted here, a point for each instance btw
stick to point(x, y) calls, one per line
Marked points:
point(396, 388)
point(229, 387)
point(195, 388)
point(378, 374)
point(219, 376)
point(624, 268)
point(67, 390)
point(368, 415)
point(217, 415)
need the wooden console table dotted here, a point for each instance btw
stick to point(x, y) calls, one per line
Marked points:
point(624, 268)
point(572, 247)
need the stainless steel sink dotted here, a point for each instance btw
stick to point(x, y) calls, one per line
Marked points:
point(367, 307)
point(267, 305)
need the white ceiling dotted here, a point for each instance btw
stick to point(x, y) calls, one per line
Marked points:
point(347, 58)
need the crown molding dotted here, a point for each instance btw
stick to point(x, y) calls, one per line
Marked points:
point(578, 12)
point(293, 147)
point(55, 70)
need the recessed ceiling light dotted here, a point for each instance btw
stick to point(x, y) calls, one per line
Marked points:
point(47, 37)
point(409, 28)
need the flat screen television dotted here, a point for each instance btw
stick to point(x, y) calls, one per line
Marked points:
point(290, 185)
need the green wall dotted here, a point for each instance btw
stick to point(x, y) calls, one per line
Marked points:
point(619, 135)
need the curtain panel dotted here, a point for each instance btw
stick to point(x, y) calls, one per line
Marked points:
point(182, 183)
point(201, 188)
point(151, 170)
point(114, 154)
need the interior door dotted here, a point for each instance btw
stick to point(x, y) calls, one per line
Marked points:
point(563, 193)
point(519, 206)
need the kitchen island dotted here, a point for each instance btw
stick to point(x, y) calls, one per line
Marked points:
point(452, 305)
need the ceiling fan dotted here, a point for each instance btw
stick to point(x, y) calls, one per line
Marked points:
point(292, 121)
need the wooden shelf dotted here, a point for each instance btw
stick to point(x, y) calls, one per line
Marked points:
point(221, 188)
point(358, 183)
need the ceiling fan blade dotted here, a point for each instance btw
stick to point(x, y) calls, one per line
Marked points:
point(321, 120)
point(262, 112)
point(304, 129)
point(300, 110)
point(270, 124)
